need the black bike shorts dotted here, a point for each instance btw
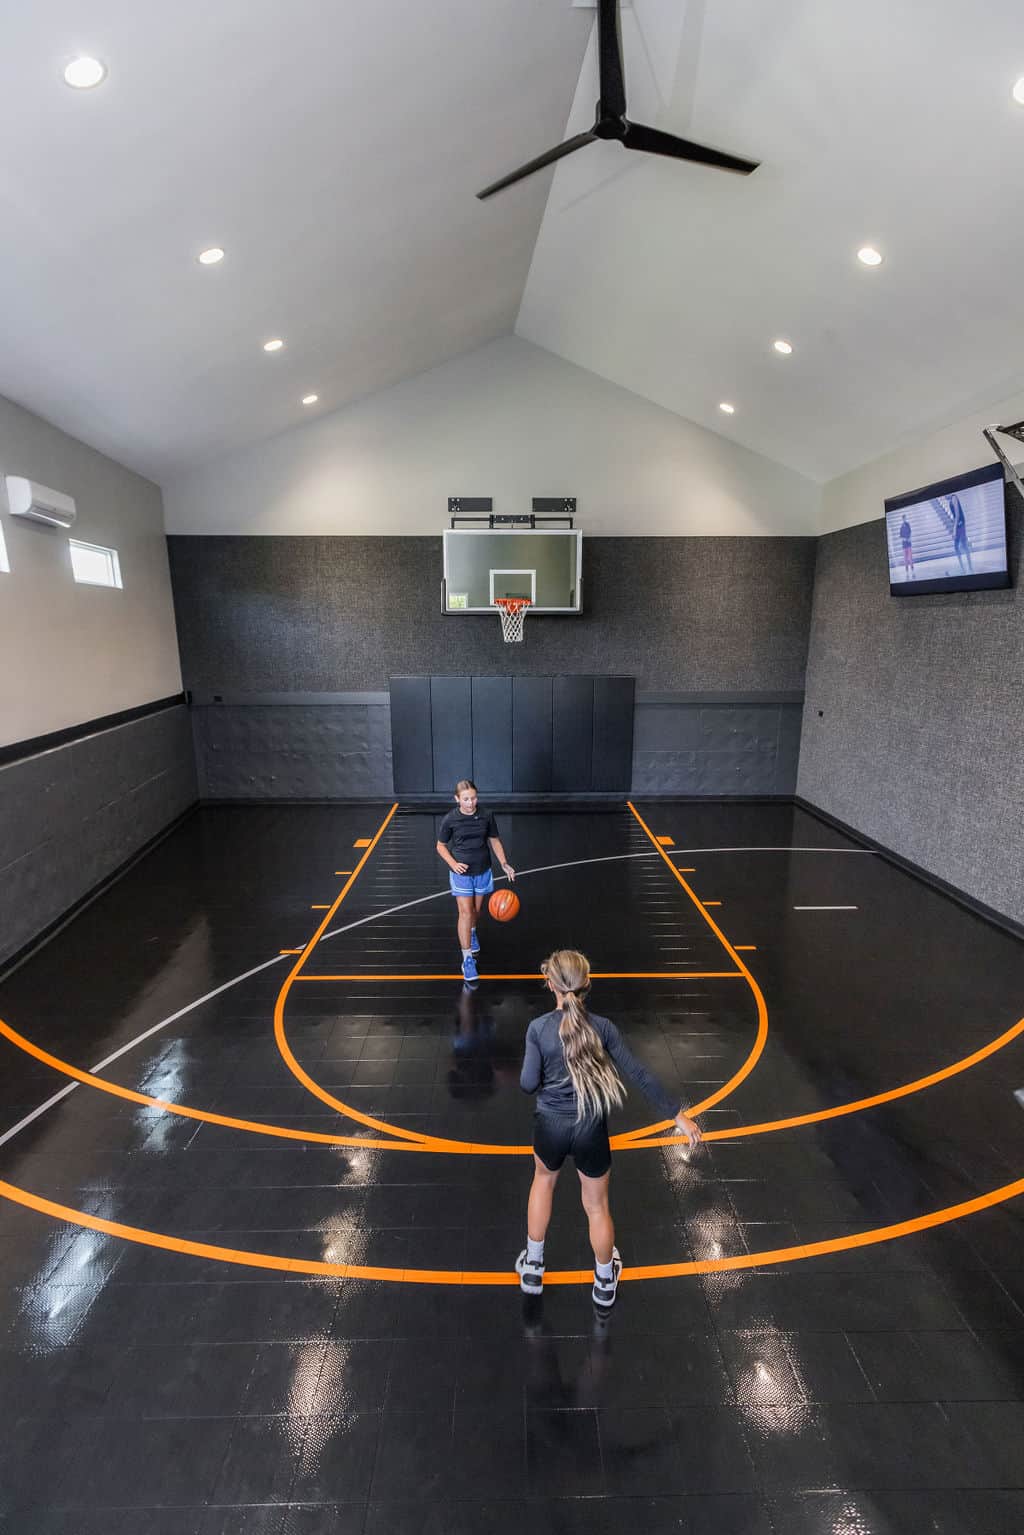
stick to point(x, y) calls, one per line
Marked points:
point(557, 1136)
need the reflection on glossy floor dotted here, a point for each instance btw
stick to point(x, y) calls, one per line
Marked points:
point(859, 1391)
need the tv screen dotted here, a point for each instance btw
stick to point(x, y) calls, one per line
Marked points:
point(949, 537)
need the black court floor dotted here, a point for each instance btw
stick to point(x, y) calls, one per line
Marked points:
point(267, 1291)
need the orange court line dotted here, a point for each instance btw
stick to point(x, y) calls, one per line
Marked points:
point(401, 1133)
point(321, 906)
point(858, 1104)
point(248, 1259)
point(687, 871)
point(291, 951)
point(229, 1121)
point(746, 948)
point(761, 1037)
point(627, 1141)
point(363, 842)
point(535, 975)
point(342, 872)
point(667, 841)
point(711, 903)
point(280, 1035)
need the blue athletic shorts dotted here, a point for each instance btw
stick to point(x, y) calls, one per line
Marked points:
point(471, 884)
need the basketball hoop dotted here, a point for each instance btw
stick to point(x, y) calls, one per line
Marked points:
point(512, 611)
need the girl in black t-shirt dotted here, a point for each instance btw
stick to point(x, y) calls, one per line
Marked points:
point(573, 1060)
point(464, 840)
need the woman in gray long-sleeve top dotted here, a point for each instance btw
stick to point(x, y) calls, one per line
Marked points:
point(572, 1062)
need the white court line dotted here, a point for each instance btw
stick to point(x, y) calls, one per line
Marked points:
point(825, 908)
point(23, 1124)
point(139, 1039)
point(109, 1060)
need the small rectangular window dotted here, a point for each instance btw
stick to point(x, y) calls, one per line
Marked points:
point(94, 565)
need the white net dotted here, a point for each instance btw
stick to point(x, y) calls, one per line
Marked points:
point(512, 611)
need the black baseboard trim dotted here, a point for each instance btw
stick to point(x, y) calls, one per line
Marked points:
point(671, 700)
point(19, 957)
point(951, 892)
point(711, 799)
point(17, 750)
point(497, 798)
point(212, 802)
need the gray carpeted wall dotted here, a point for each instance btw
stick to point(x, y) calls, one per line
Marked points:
point(288, 645)
point(914, 717)
point(70, 816)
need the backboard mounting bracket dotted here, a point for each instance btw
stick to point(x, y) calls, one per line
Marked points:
point(545, 509)
point(1016, 431)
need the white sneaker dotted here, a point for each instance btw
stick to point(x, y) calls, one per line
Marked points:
point(531, 1275)
point(605, 1290)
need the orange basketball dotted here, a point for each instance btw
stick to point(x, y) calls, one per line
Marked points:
point(503, 905)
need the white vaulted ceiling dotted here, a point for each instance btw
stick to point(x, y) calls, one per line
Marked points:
point(334, 150)
point(887, 122)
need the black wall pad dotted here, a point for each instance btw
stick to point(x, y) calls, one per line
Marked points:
point(613, 732)
point(492, 734)
point(531, 735)
point(451, 715)
point(572, 733)
point(412, 748)
point(521, 735)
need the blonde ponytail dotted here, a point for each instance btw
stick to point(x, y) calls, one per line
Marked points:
point(598, 1085)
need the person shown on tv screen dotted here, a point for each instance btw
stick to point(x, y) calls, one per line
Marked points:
point(907, 540)
point(961, 544)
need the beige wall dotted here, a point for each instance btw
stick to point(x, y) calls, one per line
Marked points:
point(933, 455)
point(511, 421)
point(73, 653)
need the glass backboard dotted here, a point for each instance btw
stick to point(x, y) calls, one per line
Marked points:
point(481, 564)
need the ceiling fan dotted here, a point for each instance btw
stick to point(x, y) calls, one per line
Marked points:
point(611, 122)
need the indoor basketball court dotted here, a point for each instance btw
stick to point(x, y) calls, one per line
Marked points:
point(380, 859)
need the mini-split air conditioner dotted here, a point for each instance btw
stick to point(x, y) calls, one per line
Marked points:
point(37, 503)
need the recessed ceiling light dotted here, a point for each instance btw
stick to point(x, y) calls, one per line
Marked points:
point(82, 74)
point(785, 347)
point(869, 256)
point(273, 346)
point(1018, 92)
point(211, 257)
point(310, 399)
point(730, 410)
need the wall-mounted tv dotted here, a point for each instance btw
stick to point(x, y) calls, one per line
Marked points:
point(949, 537)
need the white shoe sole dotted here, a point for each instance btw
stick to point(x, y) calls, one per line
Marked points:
point(521, 1270)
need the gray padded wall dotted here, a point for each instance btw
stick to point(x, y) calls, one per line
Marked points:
point(72, 815)
point(335, 746)
point(725, 618)
point(727, 746)
point(919, 742)
point(258, 615)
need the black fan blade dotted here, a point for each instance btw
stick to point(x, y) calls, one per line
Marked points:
point(569, 147)
point(637, 136)
point(612, 88)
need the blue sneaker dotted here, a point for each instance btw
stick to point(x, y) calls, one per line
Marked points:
point(469, 970)
point(474, 943)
